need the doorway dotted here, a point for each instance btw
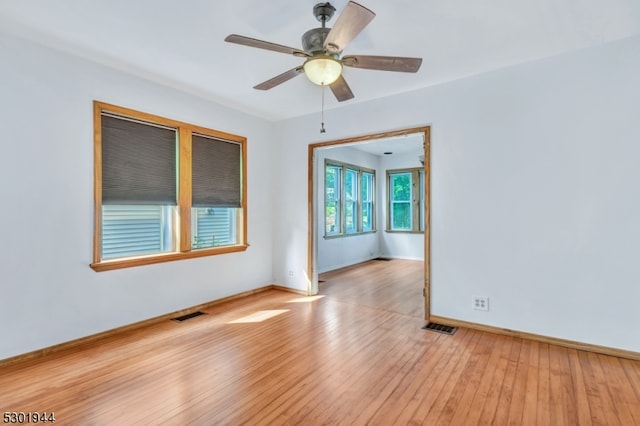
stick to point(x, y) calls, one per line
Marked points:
point(316, 169)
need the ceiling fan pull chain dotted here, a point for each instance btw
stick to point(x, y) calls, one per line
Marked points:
point(322, 129)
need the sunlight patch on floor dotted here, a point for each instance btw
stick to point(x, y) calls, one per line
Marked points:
point(259, 316)
point(307, 299)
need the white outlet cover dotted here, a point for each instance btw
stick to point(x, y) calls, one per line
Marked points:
point(480, 303)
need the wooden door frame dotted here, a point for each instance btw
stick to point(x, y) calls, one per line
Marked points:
point(312, 275)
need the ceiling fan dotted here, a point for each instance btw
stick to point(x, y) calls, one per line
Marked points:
point(322, 48)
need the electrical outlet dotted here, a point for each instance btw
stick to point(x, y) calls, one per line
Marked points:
point(480, 303)
point(290, 273)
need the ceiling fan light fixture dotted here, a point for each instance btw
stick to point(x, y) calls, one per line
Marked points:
point(322, 70)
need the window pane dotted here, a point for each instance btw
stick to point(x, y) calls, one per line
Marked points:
point(350, 222)
point(400, 187)
point(332, 224)
point(401, 216)
point(367, 201)
point(130, 230)
point(351, 201)
point(332, 183)
point(213, 227)
point(367, 217)
point(350, 185)
point(332, 200)
point(367, 186)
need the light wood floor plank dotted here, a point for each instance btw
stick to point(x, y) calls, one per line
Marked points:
point(435, 402)
point(506, 389)
point(482, 391)
point(456, 409)
point(632, 371)
point(519, 388)
point(424, 389)
point(543, 413)
point(531, 391)
point(491, 405)
point(562, 398)
point(407, 395)
point(600, 403)
point(582, 400)
point(621, 391)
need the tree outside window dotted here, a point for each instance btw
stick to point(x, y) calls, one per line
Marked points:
point(406, 203)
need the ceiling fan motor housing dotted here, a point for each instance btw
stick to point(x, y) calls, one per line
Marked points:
point(313, 40)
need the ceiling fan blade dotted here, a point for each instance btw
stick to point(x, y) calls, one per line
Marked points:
point(279, 79)
point(261, 44)
point(383, 63)
point(341, 89)
point(351, 21)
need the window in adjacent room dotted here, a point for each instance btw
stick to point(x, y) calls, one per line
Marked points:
point(351, 215)
point(349, 199)
point(164, 190)
point(332, 201)
point(366, 186)
point(405, 209)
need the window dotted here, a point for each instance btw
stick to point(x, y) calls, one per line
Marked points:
point(164, 190)
point(332, 211)
point(406, 200)
point(367, 201)
point(349, 199)
point(213, 227)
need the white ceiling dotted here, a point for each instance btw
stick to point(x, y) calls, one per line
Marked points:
point(181, 43)
point(396, 145)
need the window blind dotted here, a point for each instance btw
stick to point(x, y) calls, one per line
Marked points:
point(138, 163)
point(216, 171)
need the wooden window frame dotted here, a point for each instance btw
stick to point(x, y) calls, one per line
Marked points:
point(416, 196)
point(360, 170)
point(184, 249)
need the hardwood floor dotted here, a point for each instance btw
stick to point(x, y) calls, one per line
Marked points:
point(337, 358)
point(394, 285)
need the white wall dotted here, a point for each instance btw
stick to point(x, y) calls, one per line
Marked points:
point(535, 194)
point(48, 292)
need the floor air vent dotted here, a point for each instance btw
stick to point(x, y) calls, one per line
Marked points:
point(444, 329)
point(188, 316)
point(384, 259)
